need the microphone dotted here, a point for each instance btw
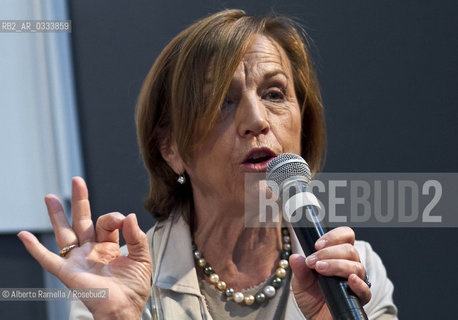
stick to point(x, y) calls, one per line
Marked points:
point(292, 174)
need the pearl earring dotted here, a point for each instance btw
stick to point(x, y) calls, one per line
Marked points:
point(181, 179)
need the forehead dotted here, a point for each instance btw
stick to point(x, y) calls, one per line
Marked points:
point(263, 53)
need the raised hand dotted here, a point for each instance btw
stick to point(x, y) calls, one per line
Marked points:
point(96, 262)
point(335, 256)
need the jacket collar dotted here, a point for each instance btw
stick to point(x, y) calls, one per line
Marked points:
point(175, 268)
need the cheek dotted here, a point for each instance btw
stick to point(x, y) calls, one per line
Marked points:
point(296, 128)
point(294, 141)
point(290, 132)
point(215, 151)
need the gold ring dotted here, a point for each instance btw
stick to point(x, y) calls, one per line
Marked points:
point(66, 250)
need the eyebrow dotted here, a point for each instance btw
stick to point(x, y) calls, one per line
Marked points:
point(272, 74)
point(266, 76)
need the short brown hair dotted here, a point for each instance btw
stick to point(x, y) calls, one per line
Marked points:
point(173, 105)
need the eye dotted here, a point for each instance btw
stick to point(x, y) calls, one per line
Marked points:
point(227, 102)
point(274, 95)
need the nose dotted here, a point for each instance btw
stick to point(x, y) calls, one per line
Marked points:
point(251, 117)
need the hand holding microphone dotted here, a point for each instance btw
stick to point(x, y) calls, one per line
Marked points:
point(337, 273)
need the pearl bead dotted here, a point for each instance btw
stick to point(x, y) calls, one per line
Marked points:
point(260, 297)
point(214, 278)
point(285, 231)
point(202, 262)
point(221, 285)
point(281, 273)
point(286, 239)
point(276, 282)
point(229, 292)
point(238, 297)
point(208, 270)
point(249, 300)
point(283, 264)
point(197, 254)
point(269, 291)
point(287, 246)
point(285, 255)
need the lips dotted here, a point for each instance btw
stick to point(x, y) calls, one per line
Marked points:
point(258, 159)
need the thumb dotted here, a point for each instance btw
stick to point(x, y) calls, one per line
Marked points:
point(137, 243)
point(304, 277)
point(305, 287)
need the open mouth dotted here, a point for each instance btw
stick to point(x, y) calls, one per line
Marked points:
point(261, 156)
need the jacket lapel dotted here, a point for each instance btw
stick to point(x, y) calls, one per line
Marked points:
point(175, 264)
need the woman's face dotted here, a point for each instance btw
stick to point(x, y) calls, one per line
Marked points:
point(260, 119)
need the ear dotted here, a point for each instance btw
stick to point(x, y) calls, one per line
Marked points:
point(169, 151)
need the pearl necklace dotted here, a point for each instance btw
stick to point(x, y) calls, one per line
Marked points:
point(267, 292)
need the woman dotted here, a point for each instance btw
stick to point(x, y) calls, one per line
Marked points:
point(225, 96)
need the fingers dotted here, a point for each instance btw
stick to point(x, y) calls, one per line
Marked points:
point(81, 212)
point(107, 227)
point(136, 240)
point(46, 258)
point(340, 268)
point(336, 255)
point(83, 230)
point(336, 236)
point(65, 235)
point(360, 288)
point(340, 251)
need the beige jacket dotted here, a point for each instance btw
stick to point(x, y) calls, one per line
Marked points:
point(175, 292)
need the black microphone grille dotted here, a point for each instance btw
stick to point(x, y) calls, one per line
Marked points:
point(286, 166)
